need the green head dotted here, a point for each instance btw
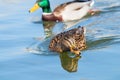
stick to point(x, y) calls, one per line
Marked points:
point(44, 4)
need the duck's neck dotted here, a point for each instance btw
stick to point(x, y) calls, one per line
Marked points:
point(45, 5)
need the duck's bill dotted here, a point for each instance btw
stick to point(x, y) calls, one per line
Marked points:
point(34, 8)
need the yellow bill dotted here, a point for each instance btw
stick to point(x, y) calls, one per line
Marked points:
point(34, 8)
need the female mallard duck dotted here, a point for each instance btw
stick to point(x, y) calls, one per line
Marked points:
point(72, 10)
point(72, 40)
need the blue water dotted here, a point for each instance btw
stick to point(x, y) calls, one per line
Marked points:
point(100, 61)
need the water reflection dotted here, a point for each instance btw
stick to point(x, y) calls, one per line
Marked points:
point(48, 26)
point(69, 62)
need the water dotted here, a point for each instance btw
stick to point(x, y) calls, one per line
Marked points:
point(100, 61)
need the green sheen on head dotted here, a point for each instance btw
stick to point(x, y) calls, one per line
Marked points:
point(44, 4)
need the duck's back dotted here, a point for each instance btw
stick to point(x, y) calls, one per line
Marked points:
point(63, 41)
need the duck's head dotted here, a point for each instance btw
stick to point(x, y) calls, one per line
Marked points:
point(44, 4)
point(74, 50)
point(72, 45)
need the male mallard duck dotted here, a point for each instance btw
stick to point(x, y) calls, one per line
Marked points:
point(68, 11)
point(72, 40)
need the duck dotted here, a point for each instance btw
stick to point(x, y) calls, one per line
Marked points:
point(72, 40)
point(68, 11)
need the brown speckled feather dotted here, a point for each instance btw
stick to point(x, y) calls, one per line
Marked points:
point(73, 38)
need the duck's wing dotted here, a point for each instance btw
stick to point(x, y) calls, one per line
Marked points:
point(71, 5)
point(72, 10)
